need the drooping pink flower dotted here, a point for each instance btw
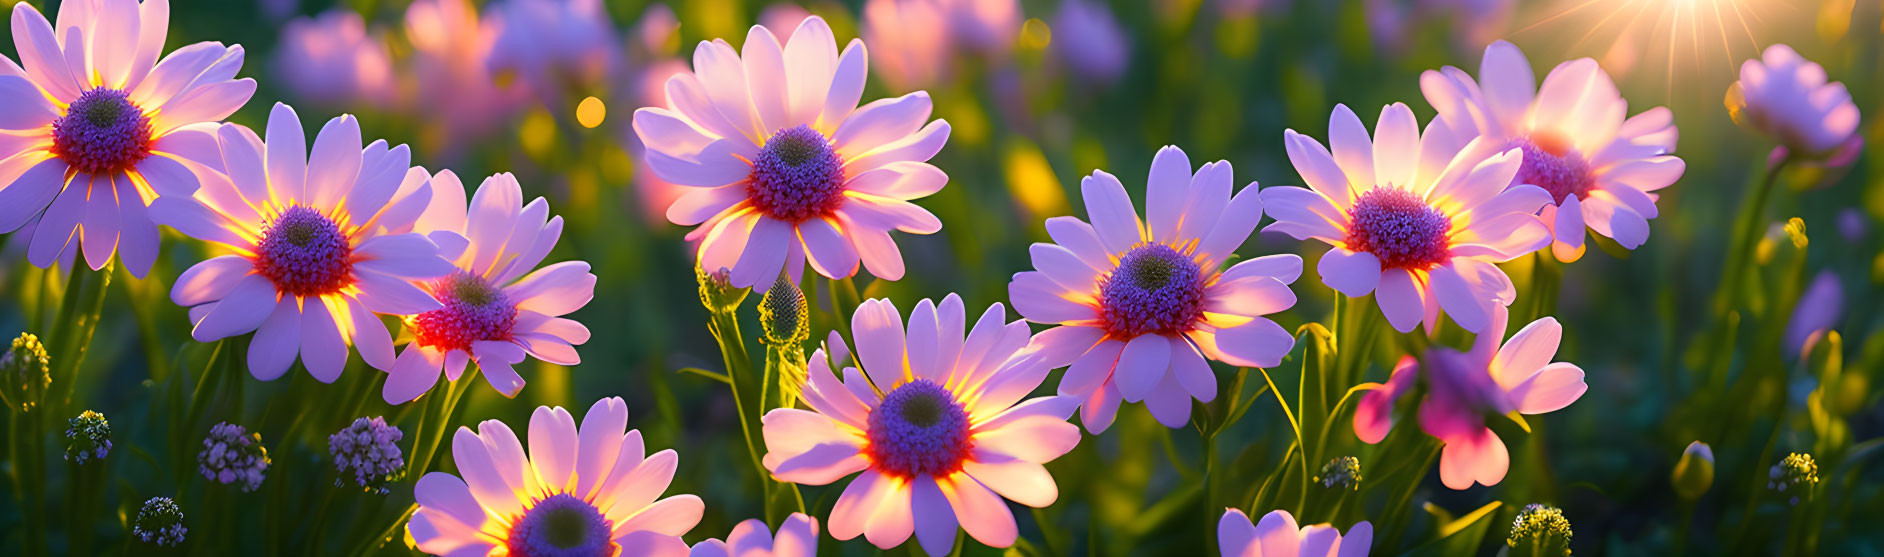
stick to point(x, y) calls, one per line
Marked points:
point(93, 127)
point(1142, 304)
point(332, 60)
point(579, 491)
point(797, 537)
point(1417, 219)
point(1600, 169)
point(786, 169)
point(1463, 388)
point(936, 423)
point(453, 88)
point(912, 42)
point(1787, 97)
point(1278, 536)
point(496, 307)
point(316, 244)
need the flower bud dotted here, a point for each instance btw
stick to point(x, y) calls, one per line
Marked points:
point(717, 292)
point(783, 313)
point(1540, 530)
point(25, 373)
point(160, 522)
point(1694, 473)
point(233, 455)
point(1794, 477)
point(88, 439)
point(369, 450)
point(1343, 472)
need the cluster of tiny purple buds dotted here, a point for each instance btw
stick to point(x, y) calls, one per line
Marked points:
point(160, 521)
point(369, 449)
point(233, 455)
point(88, 439)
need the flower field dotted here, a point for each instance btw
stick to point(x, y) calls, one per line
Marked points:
point(941, 277)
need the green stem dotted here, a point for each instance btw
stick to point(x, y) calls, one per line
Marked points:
point(1296, 426)
point(72, 333)
point(1746, 236)
point(1687, 523)
point(1211, 510)
point(435, 422)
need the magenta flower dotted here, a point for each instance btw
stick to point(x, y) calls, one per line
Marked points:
point(1787, 97)
point(316, 245)
point(1464, 388)
point(797, 537)
point(579, 491)
point(331, 60)
point(1142, 304)
point(786, 169)
point(1278, 536)
point(94, 127)
point(1600, 169)
point(933, 424)
point(1419, 220)
point(496, 307)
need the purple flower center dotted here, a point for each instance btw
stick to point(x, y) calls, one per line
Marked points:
point(1155, 289)
point(561, 525)
point(305, 254)
point(1552, 164)
point(1399, 228)
point(102, 133)
point(474, 311)
point(797, 176)
point(919, 430)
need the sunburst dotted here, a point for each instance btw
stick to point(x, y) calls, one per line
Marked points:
point(1684, 39)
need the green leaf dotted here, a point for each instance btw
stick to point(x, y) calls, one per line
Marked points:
point(714, 375)
point(1458, 536)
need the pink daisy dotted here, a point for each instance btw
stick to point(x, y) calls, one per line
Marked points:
point(797, 537)
point(1600, 169)
point(316, 245)
point(933, 424)
point(579, 491)
point(785, 168)
point(1141, 304)
point(1465, 387)
point(1420, 218)
point(94, 127)
point(1278, 536)
point(496, 307)
point(1787, 97)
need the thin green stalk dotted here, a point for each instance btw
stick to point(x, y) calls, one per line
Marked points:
point(725, 329)
point(435, 422)
point(1746, 236)
point(1210, 484)
point(367, 546)
point(1395, 523)
point(78, 319)
point(1296, 426)
point(31, 468)
point(1687, 523)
